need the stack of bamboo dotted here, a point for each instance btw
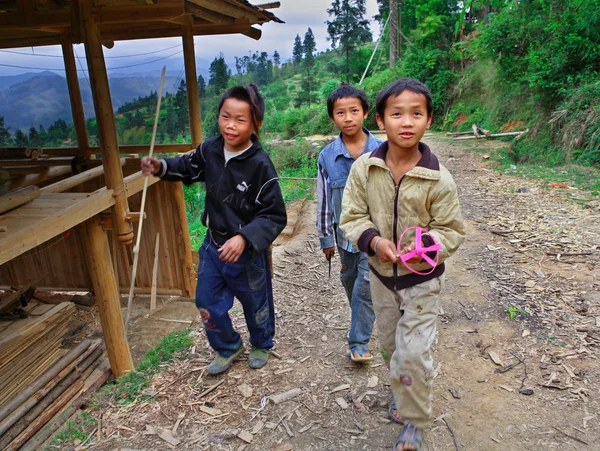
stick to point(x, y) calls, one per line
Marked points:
point(41, 386)
point(29, 346)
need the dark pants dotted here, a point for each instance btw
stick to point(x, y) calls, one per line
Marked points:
point(249, 281)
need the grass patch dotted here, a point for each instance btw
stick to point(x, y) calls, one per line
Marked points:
point(74, 430)
point(131, 386)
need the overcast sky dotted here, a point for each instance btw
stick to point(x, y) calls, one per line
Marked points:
point(125, 56)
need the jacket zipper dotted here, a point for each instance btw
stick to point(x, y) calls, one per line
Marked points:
point(395, 228)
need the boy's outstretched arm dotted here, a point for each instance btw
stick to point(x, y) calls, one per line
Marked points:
point(325, 213)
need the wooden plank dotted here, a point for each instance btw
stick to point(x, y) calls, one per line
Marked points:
point(227, 9)
point(76, 180)
point(22, 237)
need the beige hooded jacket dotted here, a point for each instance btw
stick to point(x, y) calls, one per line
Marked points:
point(374, 206)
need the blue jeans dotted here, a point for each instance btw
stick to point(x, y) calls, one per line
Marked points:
point(249, 280)
point(355, 279)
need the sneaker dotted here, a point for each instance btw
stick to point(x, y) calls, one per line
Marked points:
point(258, 358)
point(221, 364)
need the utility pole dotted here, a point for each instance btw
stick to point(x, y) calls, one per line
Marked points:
point(393, 32)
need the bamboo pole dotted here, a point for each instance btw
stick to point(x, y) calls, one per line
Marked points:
point(71, 182)
point(18, 197)
point(493, 135)
point(191, 80)
point(75, 95)
point(99, 263)
point(107, 131)
point(136, 249)
point(154, 274)
point(43, 380)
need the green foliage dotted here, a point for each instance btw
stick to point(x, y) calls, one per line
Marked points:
point(219, 74)
point(130, 387)
point(76, 429)
point(348, 28)
point(513, 311)
point(298, 50)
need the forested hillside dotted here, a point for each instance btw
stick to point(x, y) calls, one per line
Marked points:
point(502, 64)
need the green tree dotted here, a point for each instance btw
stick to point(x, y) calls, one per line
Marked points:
point(349, 28)
point(201, 86)
point(309, 45)
point(4, 133)
point(276, 58)
point(219, 74)
point(298, 50)
point(21, 139)
point(34, 137)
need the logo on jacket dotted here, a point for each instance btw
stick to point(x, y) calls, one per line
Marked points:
point(243, 187)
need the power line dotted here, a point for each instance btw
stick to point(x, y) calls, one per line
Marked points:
point(112, 68)
point(120, 56)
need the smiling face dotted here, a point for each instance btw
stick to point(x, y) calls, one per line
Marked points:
point(405, 120)
point(236, 125)
point(348, 115)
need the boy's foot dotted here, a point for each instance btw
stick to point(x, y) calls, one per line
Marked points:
point(393, 414)
point(410, 439)
point(221, 364)
point(360, 355)
point(258, 358)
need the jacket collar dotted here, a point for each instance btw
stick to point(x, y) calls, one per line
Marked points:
point(256, 146)
point(428, 167)
point(340, 147)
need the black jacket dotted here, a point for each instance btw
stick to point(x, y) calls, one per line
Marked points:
point(242, 197)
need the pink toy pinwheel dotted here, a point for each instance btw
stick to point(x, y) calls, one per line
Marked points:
point(419, 250)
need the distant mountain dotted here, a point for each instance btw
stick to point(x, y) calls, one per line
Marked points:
point(41, 99)
point(7, 81)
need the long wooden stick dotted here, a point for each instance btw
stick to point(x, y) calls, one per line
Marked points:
point(154, 274)
point(136, 249)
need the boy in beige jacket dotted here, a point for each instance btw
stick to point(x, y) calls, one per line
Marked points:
point(399, 185)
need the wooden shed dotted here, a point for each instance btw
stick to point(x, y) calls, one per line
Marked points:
point(76, 233)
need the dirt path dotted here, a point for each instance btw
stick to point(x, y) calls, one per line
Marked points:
point(512, 224)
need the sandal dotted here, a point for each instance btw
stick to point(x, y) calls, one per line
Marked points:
point(410, 435)
point(360, 355)
point(394, 416)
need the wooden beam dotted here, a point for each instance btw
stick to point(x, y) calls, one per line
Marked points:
point(253, 33)
point(107, 131)
point(102, 274)
point(41, 162)
point(76, 180)
point(40, 178)
point(75, 95)
point(209, 15)
point(227, 9)
point(271, 5)
point(191, 79)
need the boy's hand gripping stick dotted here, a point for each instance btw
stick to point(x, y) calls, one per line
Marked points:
point(419, 250)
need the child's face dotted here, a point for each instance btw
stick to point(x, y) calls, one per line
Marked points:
point(235, 124)
point(405, 120)
point(348, 115)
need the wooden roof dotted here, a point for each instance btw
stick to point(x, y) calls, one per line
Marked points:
point(26, 23)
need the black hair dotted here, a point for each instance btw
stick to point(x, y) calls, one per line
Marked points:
point(346, 90)
point(396, 88)
point(251, 96)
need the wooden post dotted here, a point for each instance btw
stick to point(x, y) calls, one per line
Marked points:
point(107, 131)
point(99, 263)
point(75, 95)
point(189, 276)
point(191, 80)
point(154, 274)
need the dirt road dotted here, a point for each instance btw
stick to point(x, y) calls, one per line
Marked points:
point(531, 250)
